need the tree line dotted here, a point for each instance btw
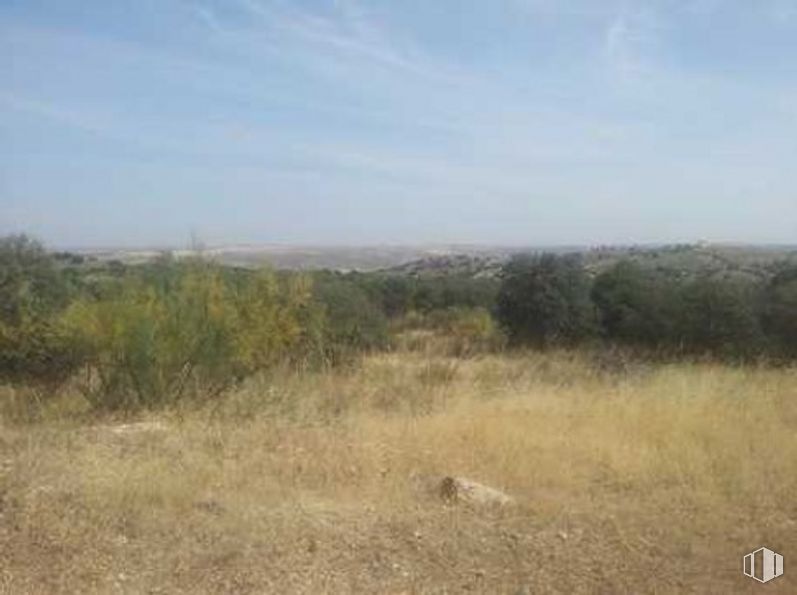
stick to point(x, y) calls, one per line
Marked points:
point(169, 330)
point(548, 299)
point(157, 333)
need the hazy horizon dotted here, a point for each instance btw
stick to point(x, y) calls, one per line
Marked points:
point(456, 247)
point(519, 123)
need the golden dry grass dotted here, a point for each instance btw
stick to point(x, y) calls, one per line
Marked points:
point(654, 480)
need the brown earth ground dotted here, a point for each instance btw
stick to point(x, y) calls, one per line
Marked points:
point(634, 479)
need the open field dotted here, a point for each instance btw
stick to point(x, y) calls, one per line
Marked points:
point(649, 479)
point(360, 296)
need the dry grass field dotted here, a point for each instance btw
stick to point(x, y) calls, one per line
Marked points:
point(640, 479)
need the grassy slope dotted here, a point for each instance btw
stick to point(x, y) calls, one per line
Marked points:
point(653, 480)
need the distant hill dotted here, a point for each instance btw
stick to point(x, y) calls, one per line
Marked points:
point(680, 260)
point(465, 260)
point(340, 258)
point(462, 265)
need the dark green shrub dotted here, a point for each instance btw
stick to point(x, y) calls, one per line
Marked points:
point(446, 292)
point(353, 322)
point(35, 350)
point(780, 310)
point(638, 306)
point(31, 286)
point(721, 316)
point(545, 300)
point(39, 354)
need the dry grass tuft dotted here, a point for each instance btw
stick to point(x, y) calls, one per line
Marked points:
point(657, 481)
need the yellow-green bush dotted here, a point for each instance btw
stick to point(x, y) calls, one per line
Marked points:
point(471, 330)
point(459, 332)
point(193, 334)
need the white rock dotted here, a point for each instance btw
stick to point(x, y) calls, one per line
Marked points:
point(461, 489)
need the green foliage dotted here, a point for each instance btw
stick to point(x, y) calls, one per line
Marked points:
point(187, 333)
point(397, 296)
point(721, 316)
point(469, 331)
point(393, 294)
point(637, 305)
point(354, 323)
point(34, 348)
point(780, 310)
point(444, 293)
point(545, 300)
point(155, 334)
point(37, 353)
point(656, 309)
point(30, 284)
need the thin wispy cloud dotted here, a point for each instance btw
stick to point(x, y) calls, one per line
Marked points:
point(631, 40)
point(348, 34)
point(619, 45)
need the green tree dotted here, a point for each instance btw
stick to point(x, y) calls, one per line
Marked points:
point(454, 291)
point(780, 310)
point(545, 300)
point(30, 283)
point(34, 348)
point(353, 322)
point(636, 305)
point(721, 316)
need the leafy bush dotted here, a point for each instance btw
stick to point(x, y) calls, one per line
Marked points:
point(637, 306)
point(444, 293)
point(191, 335)
point(545, 300)
point(35, 350)
point(659, 310)
point(37, 353)
point(721, 316)
point(780, 310)
point(31, 286)
point(469, 330)
point(353, 322)
point(397, 296)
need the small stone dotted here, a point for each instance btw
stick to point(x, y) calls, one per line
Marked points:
point(460, 489)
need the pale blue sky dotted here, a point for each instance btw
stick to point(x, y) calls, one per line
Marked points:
point(405, 121)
